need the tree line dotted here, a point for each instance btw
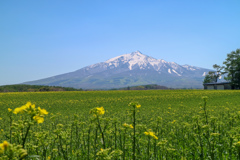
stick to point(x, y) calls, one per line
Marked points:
point(34, 88)
point(144, 87)
point(230, 70)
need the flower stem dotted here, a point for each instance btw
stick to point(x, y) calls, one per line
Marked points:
point(24, 139)
point(134, 133)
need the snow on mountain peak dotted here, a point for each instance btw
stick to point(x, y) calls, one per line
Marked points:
point(188, 67)
point(136, 53)
point(131, 58)
point(126, 57)
point(137, 60)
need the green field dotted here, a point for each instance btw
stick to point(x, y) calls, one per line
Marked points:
point(183, 127)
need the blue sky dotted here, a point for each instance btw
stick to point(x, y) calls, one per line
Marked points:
point(43, 38)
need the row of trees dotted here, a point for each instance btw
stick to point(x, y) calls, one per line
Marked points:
point(230, 69)
point(34, 88)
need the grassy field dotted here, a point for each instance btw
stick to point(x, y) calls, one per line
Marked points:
point(170, 124)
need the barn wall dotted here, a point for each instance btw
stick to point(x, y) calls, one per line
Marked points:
point(227, 86)
point(210, 87)
point(220, 87)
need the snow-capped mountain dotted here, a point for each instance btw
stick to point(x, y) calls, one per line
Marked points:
point(129, 70)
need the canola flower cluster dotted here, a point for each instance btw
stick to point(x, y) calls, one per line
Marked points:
point(128, 125)
point(151, 134)
point(11, 151)
point(134, 105)
point(3, 146)
point(29, 108)
point(31, 113)
point(98, 111)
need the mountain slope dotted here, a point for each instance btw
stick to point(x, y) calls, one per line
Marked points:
point(129, 70)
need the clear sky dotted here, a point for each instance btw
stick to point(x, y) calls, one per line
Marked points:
point(43, 38)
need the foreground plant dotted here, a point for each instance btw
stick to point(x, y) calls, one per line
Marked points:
point(10, 151)
point(97, 113)
point(134, 106)
point(30, 115)
point(104, 154)
point(150, 135)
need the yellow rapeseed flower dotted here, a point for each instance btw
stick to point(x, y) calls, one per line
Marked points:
point(151, 134)
point(146, 133)
point(18, 110)
point(38, 119)
point(128, 125)
point(1, 148)
point(28, 104)
point(134, 104)
point(9, 110)
point(5, 144)
point(42, 111)
point(100, 111)
point(33, 106)
point(24, 107)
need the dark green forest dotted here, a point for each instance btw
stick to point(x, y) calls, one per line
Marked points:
point(34, 88)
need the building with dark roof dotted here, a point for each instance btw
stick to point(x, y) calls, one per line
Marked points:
point(217, 86)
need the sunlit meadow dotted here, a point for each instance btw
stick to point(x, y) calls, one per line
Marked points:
point(155, 124)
